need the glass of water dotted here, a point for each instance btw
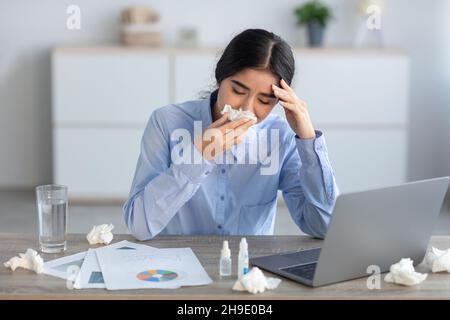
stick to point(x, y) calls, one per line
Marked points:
point(51, 201)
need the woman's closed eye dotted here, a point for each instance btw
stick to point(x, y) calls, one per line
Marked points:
point(241, 93)
point(237, 91)
point(268, 100)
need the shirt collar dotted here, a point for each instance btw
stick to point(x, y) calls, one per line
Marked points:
point(206, 109)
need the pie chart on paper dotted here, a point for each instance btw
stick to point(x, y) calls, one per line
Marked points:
point(157, 275)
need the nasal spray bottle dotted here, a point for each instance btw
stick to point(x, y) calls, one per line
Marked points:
point(225, 260)
point(242, 258)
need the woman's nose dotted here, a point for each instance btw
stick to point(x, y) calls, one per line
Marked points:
point(249, 105)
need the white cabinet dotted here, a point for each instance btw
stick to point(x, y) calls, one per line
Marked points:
point(364, 159)
point(102, 100)
point(346, 88)
point(108, 88)
point(193, 74)
point(96, 163)
point(360, 101)
point(103, 97)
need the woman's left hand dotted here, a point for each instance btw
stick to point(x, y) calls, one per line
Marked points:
point(295, 109)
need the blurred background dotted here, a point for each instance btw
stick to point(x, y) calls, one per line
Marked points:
point(79, 79)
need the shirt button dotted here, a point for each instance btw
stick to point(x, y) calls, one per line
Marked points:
point(207, 172)
point(223, 170)
point(222, 197)
point(219, 226)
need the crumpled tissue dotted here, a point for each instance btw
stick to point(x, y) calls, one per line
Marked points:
point(254, 281)
point(403, 273)
point(100, 234)
point(30, 260)
point(438, 260)
point(234, 114)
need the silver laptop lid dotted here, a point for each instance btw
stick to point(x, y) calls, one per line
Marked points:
point(379, 227)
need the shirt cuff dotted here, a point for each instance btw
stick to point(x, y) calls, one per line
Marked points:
point(199, 169)
point(308, 148)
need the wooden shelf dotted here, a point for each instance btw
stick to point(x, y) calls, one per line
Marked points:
point(209, 50)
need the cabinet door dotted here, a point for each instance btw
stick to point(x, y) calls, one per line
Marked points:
point(96, 163)
point(109, 87)
point(193, 75)
point(365, 159)
point(354, 88)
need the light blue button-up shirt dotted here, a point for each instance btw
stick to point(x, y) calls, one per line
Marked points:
point(219, 197)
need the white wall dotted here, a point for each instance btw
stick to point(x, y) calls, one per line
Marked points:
point(418, 26)
point(28, 29)
point(444, 88)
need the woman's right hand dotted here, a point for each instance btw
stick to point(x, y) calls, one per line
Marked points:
point(221, 135)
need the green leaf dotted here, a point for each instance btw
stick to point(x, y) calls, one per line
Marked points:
point(313, 11)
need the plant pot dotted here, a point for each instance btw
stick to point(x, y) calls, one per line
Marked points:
point(315, 34)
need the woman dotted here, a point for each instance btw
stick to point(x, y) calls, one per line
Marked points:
point(212, 196)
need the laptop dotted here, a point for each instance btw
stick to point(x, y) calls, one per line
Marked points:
point(375, 227)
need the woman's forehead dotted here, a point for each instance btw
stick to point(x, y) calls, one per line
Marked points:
point(255, 79)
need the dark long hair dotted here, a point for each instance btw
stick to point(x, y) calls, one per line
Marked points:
point(256, 49)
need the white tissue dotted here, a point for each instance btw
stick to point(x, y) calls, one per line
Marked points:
point(100, 234)
point(403, 273)
point(254, 281)
point(234, 114)
point(438, 260)
point(30, 260)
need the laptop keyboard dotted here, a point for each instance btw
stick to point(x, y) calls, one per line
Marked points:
point(305, 271)
point(304, 256)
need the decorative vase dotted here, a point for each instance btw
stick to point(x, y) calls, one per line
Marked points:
point(315, 34)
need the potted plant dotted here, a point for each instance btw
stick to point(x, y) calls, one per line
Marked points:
point(315, 16)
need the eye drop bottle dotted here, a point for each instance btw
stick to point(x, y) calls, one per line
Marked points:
point(225, 260)
point(243, 258)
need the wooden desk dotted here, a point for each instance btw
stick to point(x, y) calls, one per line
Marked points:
point(24, 284)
